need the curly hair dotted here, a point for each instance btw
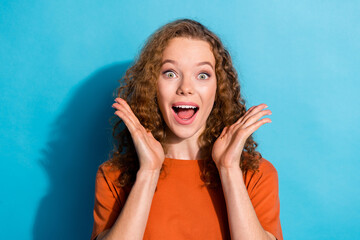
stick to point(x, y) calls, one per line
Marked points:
point(138, 88)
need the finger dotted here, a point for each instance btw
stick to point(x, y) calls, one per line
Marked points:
point(255, 110)
point(122, 109)
point(242, 117)
point(252, 119)
point(126, 106)
point(224, 131)
point(244, 133)
point(252, 128)
point(130, 119)
point(126, 119)
point(123, 103)
point(249, 112)
point(149, 133)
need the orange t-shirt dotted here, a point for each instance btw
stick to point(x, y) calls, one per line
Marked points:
point(184, 209)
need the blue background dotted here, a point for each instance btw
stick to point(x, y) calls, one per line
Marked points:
point(60, 62)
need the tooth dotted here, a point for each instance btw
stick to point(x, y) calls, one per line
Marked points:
point(185, 106)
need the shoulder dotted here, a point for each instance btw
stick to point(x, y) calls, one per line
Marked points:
point(266, 167)
point(263, 189)
point(265, 176)
point(107, 186)
point(108, 171)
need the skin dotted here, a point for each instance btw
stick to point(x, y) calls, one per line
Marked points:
point(187, 75)
point(187, 85)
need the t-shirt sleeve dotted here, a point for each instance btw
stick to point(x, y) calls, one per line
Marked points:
point(263, 189)
point(107, 205)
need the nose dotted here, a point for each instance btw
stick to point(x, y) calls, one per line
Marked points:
point(185, 86)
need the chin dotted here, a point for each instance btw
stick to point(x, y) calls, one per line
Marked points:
point(184, 133)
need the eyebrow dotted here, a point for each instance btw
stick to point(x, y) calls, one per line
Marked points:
point(199, 64)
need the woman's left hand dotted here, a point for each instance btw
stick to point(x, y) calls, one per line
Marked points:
point(228, 147)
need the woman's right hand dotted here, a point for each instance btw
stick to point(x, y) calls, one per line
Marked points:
point(149, 150)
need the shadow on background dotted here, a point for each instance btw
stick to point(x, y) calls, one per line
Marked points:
point(79, 142)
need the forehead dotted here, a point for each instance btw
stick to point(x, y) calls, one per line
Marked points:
point(188, 50)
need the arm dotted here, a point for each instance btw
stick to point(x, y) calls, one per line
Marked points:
point(243, 221)
point(226, 153)
point(132, 220)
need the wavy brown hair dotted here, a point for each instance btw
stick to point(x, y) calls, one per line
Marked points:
point(138, 88)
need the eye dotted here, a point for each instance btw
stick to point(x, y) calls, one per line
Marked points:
point(169, 74)
point(204, 76)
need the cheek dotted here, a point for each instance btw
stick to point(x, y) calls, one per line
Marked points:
point(161, 95)
point(210, 95)
point(208, 99)
point(211, 92)
point(165, 90)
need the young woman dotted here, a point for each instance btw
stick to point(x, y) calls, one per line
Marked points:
point(185, 165)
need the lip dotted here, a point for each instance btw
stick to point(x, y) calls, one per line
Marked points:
point(182, 121)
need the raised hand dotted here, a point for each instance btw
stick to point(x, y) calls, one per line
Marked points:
point(149, 150)
point(228, 147)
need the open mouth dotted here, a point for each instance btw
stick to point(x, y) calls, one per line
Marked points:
point(185, 112)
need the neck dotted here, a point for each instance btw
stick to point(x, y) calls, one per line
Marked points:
point(186, 149)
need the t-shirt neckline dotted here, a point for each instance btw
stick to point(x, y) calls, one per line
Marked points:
point(183, 162)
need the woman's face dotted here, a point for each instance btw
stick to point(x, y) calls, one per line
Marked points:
point(186, 86)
